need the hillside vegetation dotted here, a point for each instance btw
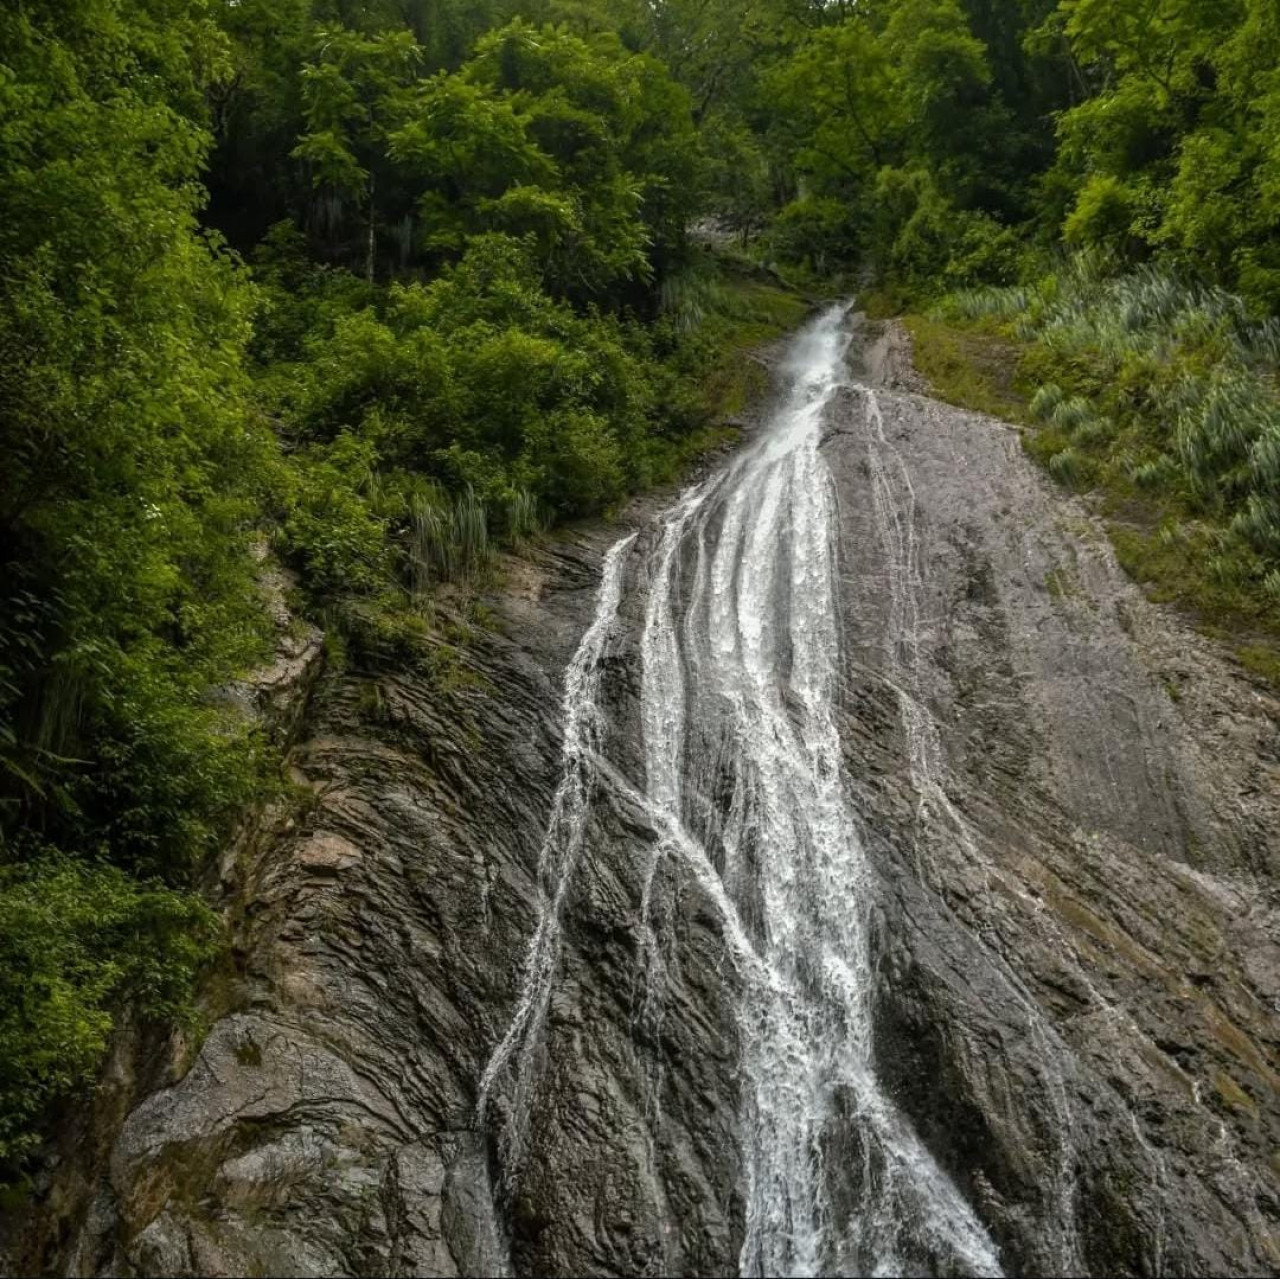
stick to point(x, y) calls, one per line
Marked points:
point(384, 285)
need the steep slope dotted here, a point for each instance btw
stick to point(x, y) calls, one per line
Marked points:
point(1079, 987)
point(1059, 933)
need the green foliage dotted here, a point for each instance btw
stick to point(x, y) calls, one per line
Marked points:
point(1071, 414)
point(738, 176)
point(1176, 148)
point(616, 130)
point(956, 135)
point(972, 366)
point(1045, 402)
point(465, 225)
point(1069, 467)
point(448, 418)
point(892, 113)
point(133, 475)
point(74, 941)
point(930, 244)
point(348, 89)
point(394, 160)
point(815, 233)
point(1103, 214)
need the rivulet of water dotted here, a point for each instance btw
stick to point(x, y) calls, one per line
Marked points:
point(557, 858)
point(895, 511)
point(744, 784)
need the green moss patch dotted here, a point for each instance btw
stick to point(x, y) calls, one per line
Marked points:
point(974, 367)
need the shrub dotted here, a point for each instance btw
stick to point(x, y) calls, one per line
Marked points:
point(1045, 401)
point(1103, 213)
point(76, 939)
point(1071, 413)
point(1070, 468)
point(815, 232)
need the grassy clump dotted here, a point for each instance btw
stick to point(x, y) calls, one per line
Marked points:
point(737, 311)
point(1162, 395)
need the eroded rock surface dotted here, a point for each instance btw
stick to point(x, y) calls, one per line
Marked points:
point(1080, 977)
point(1076, 930)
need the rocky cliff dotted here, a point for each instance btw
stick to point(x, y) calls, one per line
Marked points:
point(1071, 806)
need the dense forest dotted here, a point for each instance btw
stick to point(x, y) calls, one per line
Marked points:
point(375, 288)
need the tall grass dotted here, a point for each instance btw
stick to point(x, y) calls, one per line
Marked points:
point(1177, 373)
point(727, 301)
point(1161, 394)
point(448, 538)
point(453, 537)
point(524, 517)
point(688, 296)
point(1148, 310)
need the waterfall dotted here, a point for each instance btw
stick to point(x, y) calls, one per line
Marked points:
point(762, 641)
point(740, 655)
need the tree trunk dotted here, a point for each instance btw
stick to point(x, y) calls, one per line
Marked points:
point(369, 258)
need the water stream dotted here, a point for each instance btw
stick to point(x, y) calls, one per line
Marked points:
point(557, 858)
point(744, 784)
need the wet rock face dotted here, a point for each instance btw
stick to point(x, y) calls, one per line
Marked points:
point(1080, 969)
point(327, 1124)
point(1072, 807)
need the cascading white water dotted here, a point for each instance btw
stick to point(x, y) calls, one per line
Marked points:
point(760, 649)
point(740, 667)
